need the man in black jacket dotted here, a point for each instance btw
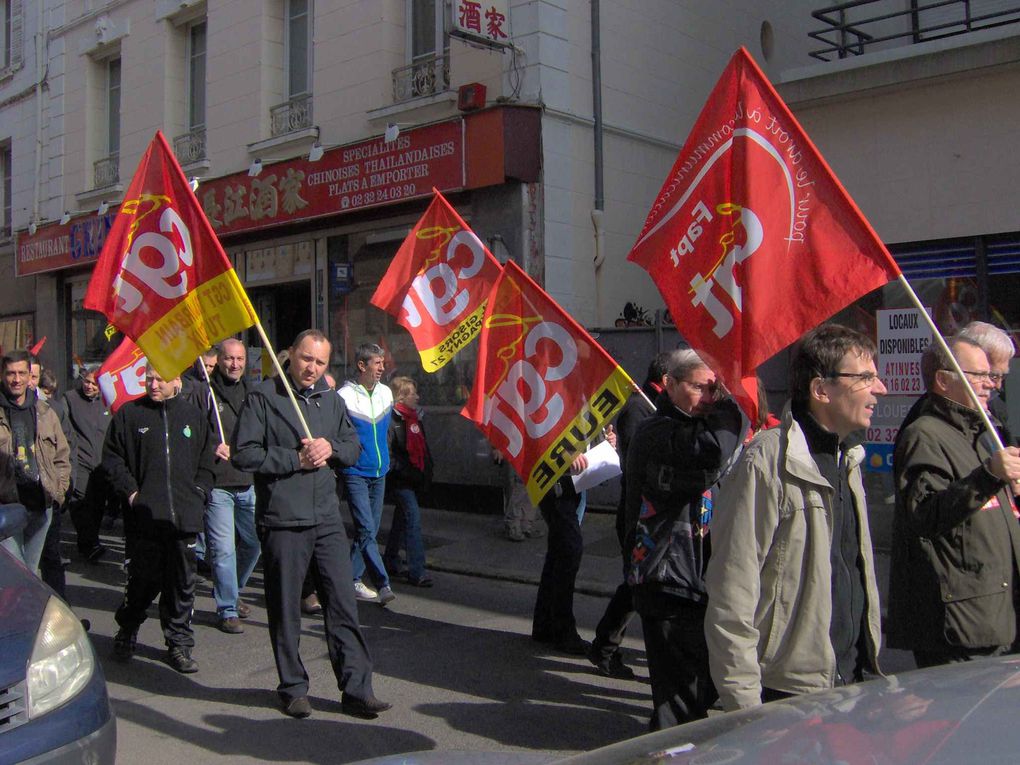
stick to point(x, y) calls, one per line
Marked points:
point(158, 457)
point(232, 546)
point(297, 513)
point(673, 465)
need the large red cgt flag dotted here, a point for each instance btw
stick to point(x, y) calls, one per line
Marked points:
point(544, 388)
point(162, 278)
point(437, 283)
point(121, 377)
point(752, 240)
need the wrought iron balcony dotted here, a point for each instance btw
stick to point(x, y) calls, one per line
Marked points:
point(858, 26)
point(426, 76)
point(190, 147)
point(292, 115)
point(106, 171)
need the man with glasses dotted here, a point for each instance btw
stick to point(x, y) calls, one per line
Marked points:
point(956, 542)
point(792, 597)
point(999, 348)
point(673, 463)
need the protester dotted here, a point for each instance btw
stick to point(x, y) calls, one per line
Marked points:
point(956, 543)
point(31, 435)
point(232, 546)
point(562, 508)
point(674, 461)
point(1000, 349)
point(158, 457)
point(297, 513)
point(410, 472)
point(370, 405)
point(520, 517)
point(792, 600)
point(89, 419)
point(195, 388)
point(52, 562)
point(606, 653)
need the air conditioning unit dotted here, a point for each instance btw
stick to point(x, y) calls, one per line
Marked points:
point(471, 96)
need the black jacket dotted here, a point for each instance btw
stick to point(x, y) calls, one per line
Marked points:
point(164, 451)
point(402, 473)
point(268, 438)
point(229, 397)
point(89, 419)
point(673, 461)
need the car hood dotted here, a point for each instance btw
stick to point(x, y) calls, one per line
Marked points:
point(23, 599)
point(933, 716)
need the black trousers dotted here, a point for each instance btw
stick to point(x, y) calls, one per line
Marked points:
point(286, 555)
point(553, 620)
point(86, 509)
point(612, 626)
point(677, 653)
point(51, 566)
point(160, 565)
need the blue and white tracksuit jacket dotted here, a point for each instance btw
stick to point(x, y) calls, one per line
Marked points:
point(370, 411)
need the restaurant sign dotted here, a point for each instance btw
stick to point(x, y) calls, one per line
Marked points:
point(55, 247)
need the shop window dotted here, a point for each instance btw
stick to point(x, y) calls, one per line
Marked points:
point(88, 340)
point(16, 332)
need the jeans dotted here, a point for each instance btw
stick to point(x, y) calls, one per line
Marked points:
point(27, 545)
point(231, 543)
point(405, 532)
point(365, 496)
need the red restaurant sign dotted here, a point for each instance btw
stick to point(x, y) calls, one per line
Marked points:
point(347, 178)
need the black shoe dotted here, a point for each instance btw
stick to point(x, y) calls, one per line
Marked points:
point(573, 645)
point(298, 707)
point(202, 569)
point(93, 555)
point(124, 643)
point(179, 657)
point(366, 708)
point(610, 666)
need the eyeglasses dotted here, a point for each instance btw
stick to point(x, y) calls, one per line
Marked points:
point(868, 378)
point(702, 388)
point(992, 377)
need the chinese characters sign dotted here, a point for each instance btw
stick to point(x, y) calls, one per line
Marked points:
point(486, 21)
point(351, 177)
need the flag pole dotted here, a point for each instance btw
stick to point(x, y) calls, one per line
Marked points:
point(283, 378)
point(952, 361)
point(212, 397)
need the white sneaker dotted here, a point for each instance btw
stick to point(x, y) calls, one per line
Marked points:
point(386, 595)
point(363, 592)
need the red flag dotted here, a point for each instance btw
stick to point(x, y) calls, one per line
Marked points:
point(544, 388)
point(121, 377)
point(35, 349)
point(437, 283)
point(162, 278)
point(752, 240)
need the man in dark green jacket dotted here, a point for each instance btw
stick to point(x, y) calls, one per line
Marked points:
point(956, 542)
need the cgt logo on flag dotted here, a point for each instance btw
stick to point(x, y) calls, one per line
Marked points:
point(121, 378)
point(544, 388)
point(752, 240)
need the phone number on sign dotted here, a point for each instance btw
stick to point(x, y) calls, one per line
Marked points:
point(375, 196)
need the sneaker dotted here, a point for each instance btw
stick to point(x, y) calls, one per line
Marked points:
point(179, 657)
point(363, 592)
point(515, 535)
point(231, 625)
point(124, 643)
point(386, 596)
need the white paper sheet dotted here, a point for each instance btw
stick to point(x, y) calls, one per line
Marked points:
point(603, 464)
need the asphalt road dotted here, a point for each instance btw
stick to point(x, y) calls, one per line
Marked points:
point(456, 661)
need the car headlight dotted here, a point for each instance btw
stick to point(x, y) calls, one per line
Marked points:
point(62, 659)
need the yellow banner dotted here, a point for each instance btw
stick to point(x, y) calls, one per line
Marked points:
point(575, 437)
point(433, 359)
point(209, 313)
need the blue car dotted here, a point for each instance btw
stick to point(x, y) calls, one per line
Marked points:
point(53, 702)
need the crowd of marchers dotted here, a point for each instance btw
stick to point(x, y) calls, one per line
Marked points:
point(745, 546)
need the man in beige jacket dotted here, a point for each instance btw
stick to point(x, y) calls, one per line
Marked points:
point(792, 600)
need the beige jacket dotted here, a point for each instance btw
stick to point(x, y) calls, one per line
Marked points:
point(769, 578)
point(52, 451)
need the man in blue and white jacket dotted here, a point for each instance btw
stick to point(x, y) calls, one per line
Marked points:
point(370, 405)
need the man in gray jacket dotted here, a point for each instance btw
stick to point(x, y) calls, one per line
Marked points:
point(297, 514)
point(792, 599)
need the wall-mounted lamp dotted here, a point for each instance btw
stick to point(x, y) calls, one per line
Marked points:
point(193, 183)
point(31, 228)
point(104, 207)
point(316, 152)
point(392, 131)
point(254, 168)
point(65, 218)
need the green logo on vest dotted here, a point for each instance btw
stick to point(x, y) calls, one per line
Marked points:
point(187, 431)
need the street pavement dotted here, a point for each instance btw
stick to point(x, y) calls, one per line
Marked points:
point(456, 660)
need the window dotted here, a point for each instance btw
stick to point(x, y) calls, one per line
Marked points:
point(5, 191)
point(298, 48)
point(427, 29)
point(113, 106)
point(196, 75)
point(5, 20)
point(428, 46)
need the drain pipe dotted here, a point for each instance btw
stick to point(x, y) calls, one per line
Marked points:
point(599, 206)
point(40, 73)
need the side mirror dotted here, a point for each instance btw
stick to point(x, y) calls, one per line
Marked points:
point(13, 518)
